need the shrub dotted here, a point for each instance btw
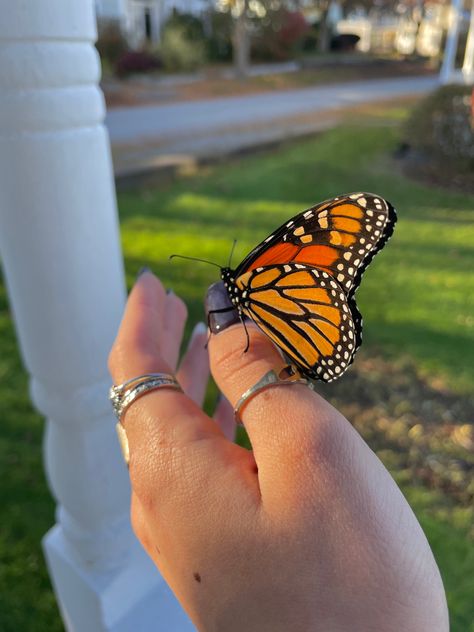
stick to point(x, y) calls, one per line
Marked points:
point(191, 25)
point(111, 43)
point(279, 35)
point(442, 126)
point(135, 62)
point(178, 52)
point(441, 132)
point(219, 40)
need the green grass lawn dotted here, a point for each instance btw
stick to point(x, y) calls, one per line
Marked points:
point(417, 299)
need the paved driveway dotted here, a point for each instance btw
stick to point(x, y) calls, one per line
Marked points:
point(178, 120)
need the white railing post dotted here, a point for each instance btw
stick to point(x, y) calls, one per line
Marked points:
point(447, 71)
point(59, 244)
point(468, 63)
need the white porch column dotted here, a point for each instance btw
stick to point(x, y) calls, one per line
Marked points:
point(59, 246)
point(447, 72)
point(468, 63)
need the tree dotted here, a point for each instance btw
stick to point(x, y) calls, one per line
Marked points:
point(239, 10)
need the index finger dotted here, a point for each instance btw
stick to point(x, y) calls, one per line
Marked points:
point(164, 426)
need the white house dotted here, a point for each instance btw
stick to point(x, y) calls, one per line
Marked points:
point(141, 20)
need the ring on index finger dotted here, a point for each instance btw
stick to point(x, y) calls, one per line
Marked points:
point(123, 395)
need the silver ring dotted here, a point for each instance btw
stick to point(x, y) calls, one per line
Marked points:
point(288, 375)
point(123, 395)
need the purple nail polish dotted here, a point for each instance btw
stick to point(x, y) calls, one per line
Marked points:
point(143, 270)
point(220, 311)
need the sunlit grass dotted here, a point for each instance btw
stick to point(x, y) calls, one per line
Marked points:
point(454, 552)
point(418, 295)
point(417, 299)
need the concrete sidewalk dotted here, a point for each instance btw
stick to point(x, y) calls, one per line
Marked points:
point(152, 137)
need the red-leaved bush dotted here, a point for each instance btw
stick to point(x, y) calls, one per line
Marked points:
point(278, 35)
point(136, 61)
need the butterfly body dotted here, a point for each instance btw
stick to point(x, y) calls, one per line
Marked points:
point(298, 285)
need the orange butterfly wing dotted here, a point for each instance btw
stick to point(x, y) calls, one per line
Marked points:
point(340, 236)
point(298, 285)
point(306, 313)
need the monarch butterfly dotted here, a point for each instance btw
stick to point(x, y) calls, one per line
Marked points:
point(298, 285)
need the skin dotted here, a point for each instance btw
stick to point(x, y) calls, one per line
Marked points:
point(307, 532)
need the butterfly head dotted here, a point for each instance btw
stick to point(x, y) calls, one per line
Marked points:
point(228, 278)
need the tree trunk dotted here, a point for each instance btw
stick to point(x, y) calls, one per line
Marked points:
point(323, 40)
point(241, 43)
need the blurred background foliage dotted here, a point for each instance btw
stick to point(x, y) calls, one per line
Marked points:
point(440, 137)
point(276, 30)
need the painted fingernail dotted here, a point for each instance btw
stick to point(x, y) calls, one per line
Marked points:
point(219, 398)
point(199, 330)
point(219, 309)
point(142, 271)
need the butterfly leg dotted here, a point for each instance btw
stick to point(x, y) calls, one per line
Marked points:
point(246, 333)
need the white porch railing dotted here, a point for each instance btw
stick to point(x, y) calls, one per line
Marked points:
point(449, 73)
point(59, 244)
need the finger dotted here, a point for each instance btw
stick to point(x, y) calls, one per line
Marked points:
point(136, 347)
point(224, 417)
point(174, 319)
point(173, 444)
point(279, 420)
point(193, 374)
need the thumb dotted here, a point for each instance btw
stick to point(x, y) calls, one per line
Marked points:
point(282, 421)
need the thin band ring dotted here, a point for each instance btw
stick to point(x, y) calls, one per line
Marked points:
point(286, 376)
point(123, 395)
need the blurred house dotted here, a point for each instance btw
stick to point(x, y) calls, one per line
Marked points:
point(401, 28)
point(141, 21)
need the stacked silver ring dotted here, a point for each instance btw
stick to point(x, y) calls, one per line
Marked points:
point(125, 394)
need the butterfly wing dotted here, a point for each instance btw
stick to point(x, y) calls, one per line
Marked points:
point(340, 236)
point(306, 313)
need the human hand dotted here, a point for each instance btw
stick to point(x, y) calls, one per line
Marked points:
point(308, 532)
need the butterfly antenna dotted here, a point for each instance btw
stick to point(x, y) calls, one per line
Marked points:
point(232, 252)
point(211, 263)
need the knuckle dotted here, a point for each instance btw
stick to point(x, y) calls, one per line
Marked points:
point(115, 359)
point(319, 444)
point(229, 351)
point(154, 468)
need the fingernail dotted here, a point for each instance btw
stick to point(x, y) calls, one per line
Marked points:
point(142, 271)
point(199, 330)
point(218, 399)
point(169, 292)
point(217, 298)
